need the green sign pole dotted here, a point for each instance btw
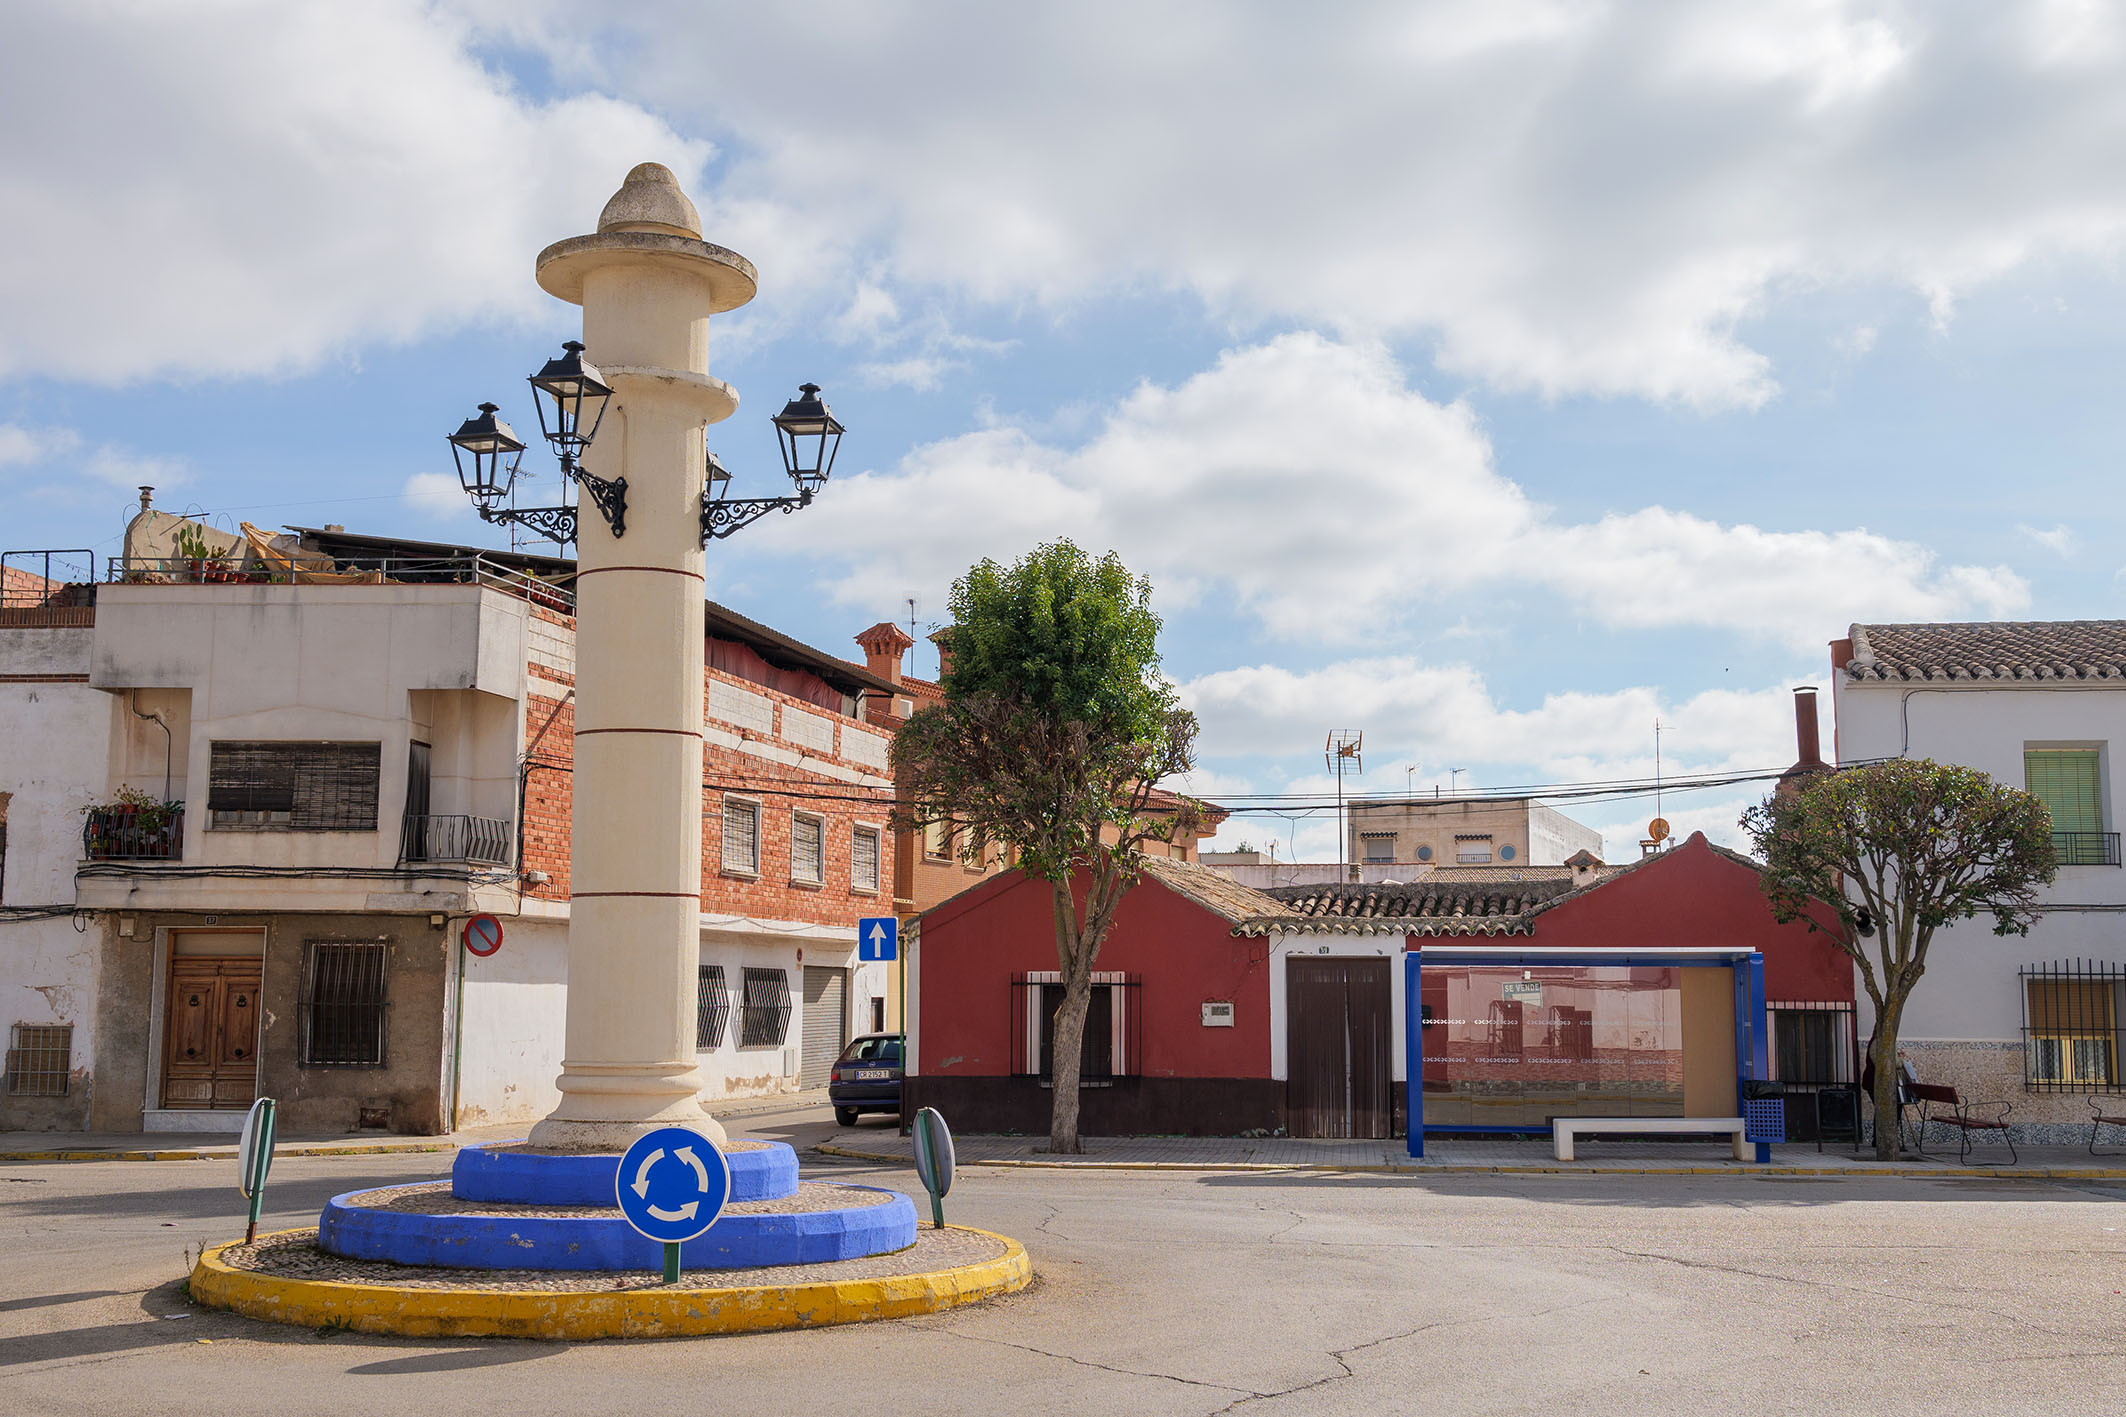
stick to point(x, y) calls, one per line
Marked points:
point(257, 1164)
point(671, 1263)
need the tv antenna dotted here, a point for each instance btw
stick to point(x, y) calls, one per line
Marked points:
point(1341, 754)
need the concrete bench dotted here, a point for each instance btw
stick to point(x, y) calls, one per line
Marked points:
point(1564, 1129)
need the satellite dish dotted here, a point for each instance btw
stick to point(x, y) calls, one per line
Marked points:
point(1657, 829)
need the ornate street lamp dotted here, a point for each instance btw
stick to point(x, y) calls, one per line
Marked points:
point(810, 435)
point(493, 450)
point(571, 397)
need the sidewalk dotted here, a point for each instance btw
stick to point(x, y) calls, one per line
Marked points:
point(1451, 1154)
point(219, 1146)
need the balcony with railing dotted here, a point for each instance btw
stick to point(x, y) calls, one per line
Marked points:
point(127, 831)
point(457, 840)
point(2086, 848)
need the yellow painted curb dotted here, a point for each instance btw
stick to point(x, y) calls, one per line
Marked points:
point(649, 1312)
point(1744, 1170)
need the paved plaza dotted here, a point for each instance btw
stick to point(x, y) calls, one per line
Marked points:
point(1187, 1292)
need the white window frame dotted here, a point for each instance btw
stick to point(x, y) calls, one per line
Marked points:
point(819, 840)
point(877, 833)
point(751, 804)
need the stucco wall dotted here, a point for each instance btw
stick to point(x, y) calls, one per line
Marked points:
point(55, 739)
point(515, 1006)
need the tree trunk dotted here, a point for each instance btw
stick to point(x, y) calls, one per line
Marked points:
point(1882, 1052)
point(1068, 1043)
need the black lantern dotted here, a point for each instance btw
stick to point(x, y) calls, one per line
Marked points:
point(810, 436)
point(575, 388)
point(493, 450)
point(719, 481)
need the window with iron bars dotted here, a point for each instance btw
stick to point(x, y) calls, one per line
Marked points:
point(863, 858)
point(343, 1006)
point(712, 1006)
point(764, 1020)
point(1812, 1043)
point(37, 1058)
point(2071, 1035)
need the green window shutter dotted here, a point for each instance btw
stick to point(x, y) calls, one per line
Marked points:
point(2065, 780)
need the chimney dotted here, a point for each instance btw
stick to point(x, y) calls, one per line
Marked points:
point(147, 498)
point(1807, 742)
point(1584, 864)
point(943, 640)
point(883, 645)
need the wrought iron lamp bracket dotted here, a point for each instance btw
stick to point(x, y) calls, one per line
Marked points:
point(721, 518)
point(609, 497)
point(558, 524)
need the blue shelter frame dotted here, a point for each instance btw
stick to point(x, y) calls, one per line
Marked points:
point(1752, 1030)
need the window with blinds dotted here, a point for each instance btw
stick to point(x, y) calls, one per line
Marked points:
point(741, 836)
point(808, 849)
point(764, 1021)
point(293, 786)
point(863, 858)
point(712, 1008)
point(2066, 781)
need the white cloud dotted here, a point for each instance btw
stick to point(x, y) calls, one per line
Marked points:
point(2060, 540)
point(437, 494)
point(1445, 717)
point(55, 463)
point(251, 187)
point(1568, 198)
point(19, 444)
point(1304, 482)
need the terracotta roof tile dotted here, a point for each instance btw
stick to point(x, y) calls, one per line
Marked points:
point(1990, 650)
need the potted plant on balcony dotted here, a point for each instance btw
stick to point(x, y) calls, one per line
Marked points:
point(200, 561)
point(132, 823)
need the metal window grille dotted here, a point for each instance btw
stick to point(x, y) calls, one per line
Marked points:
point(863, 859)
point(1812, 1043)
point(741, 836)
point(765, 1020)
point(808, 849)
point(343, 1006)
point(712, 1006)
point(37, 1058)
point(294, 786)
point(1113, 1047)
point(2071, 1033)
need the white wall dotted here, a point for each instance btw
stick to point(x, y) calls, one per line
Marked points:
point(55, 743)
point(1334, 946)
point(1971, 991)
point(515, 1007)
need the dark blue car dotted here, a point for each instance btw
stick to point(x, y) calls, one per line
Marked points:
point(867, 1078)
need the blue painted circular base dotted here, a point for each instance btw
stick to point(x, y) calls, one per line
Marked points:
point(606, 1242)
point(514, 1177)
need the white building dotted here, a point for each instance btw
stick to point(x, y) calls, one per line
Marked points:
point(2033, 1021)
point(258, 808)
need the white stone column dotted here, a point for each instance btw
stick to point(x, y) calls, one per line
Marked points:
point(647, 283)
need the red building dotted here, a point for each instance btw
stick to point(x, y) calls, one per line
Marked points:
point(1222, 1009)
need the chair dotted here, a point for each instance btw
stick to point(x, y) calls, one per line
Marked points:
point(1966, 1117)
point(2097, 1122)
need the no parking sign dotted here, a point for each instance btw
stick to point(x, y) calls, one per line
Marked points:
point(483, 935)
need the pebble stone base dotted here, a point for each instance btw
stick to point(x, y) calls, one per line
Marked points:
point(510, 1171)
point(422, 1224)
point(286, 1278)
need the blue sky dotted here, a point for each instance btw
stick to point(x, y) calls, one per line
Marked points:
point(1495, 378)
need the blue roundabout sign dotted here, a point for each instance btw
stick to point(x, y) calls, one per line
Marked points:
point(672, 1184)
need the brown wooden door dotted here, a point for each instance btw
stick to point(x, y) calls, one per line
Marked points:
point(1338, 1018)
point(210, 1033)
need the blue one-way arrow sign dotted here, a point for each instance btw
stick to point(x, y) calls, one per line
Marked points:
point(878, 937)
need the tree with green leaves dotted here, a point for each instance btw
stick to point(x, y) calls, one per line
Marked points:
point(1898, 850)
point(1056, 728)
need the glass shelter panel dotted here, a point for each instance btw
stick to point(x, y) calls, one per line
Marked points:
point(1515, 1047)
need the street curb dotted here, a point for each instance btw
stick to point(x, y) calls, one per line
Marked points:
point(228, 1153)
point(651, 1312)
point(1452, 1169)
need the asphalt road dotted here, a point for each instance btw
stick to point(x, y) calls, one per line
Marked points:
point(1181, 1293)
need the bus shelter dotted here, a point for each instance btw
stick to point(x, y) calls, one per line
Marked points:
point(1504, 1039)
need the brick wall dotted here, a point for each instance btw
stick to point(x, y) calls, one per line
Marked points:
point(778, 750)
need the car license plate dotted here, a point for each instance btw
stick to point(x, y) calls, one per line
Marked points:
point(873, 1074)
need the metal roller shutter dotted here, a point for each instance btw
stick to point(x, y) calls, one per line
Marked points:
point(826, 1028)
